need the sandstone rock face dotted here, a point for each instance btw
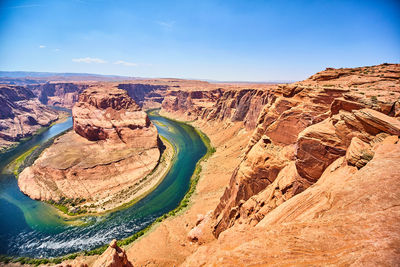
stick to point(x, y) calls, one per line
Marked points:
point(259, 169)
point(343, 104)
point(349, 217)
point(222, 104)
point(314, 122)
point(21, 115)
point(58, 93)
point(287, 184)
point(317, 147)
point(308, 144)
point(109, 116)
point(378, 122)
point(359, 153)
point(112, 148)
point(143, 92)
point(114, 256)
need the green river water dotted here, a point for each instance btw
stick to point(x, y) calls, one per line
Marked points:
point(35, 229)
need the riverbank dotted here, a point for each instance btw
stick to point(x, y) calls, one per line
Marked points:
point(147, 184)
point(167, 244)
point(15, 165)
point(178, 210)
point(27, 158)
point(185, 206)
point(124, 199)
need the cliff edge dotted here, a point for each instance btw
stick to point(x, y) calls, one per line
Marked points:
point(95, 167)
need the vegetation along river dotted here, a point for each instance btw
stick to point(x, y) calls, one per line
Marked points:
point(36, 229)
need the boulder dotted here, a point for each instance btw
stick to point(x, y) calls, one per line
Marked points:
point(343, 104)
point(376, 122)
point(359, 153)
point(114, 256)
point(317, 147)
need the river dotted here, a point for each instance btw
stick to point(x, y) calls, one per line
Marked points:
point(35, 229)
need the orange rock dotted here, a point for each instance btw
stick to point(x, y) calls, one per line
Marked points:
point(286, 185)
point(347, 218)
point(259, 169)
point(63, 94)
point(343, 104)
point(317, 147)
point(318, 115)
point(114, 256)
point(376, 122)
point(196, 234)
point(359, 153)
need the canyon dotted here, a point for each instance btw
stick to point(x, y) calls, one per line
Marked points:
point(313, 169)
point(303, 173)
point(103, 162)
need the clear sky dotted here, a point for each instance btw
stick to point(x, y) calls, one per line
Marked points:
point(231, 40)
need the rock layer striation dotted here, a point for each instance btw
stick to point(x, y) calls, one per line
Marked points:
point(21, 115)
point(95, 167)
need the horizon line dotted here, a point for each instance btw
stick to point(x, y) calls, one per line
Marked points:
point(53, 74)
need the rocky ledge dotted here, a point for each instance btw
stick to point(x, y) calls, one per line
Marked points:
point(95, 167)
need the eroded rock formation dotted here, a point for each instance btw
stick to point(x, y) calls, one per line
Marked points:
point(63, 94)
point(306, 189)
point(318, 179)
point(301, 131)
point(21, 115)
point(95, 167)
point(114, 256)
point(349, 217)
point(314, 144)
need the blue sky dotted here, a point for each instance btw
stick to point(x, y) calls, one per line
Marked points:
point(245, 40)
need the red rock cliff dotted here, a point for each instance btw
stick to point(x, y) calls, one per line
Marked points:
point(63, 94)
point(300, 132)
point(339, 132)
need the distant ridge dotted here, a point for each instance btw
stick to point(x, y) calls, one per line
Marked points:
point(252, 82)
point(34, 77)
point(31, 77)
point(34, 74)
